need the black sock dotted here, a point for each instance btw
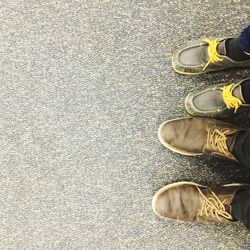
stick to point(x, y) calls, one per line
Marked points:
point(241, 148)
point(234, 52)
point(245, 90)
point(241, 206)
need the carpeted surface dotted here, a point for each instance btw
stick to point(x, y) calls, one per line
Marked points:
point(84, 87)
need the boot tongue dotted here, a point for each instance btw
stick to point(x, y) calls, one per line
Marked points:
point(224, 197)
point(230, 141)
point(221, 48)
point(224, 194)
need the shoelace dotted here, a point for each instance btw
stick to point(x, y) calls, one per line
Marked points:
point(230, 100)
point(218, 140)
point(213, 207)
point(214, 56)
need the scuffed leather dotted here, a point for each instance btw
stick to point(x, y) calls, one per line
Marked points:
point(189, 135)
point(193, 58)
point(183, 201)
point(209, 102)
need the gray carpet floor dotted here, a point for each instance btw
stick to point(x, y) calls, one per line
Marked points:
point(84, 88)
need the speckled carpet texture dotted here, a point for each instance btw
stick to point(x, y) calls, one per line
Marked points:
point(84, 88)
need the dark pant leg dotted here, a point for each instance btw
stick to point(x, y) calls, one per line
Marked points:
point(242, 148)
point(241, 207)
point(244, 40)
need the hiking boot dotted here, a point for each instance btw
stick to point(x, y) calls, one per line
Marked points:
point(218, 101)
point(191, 202)
point(196, 136)
point(204, 56)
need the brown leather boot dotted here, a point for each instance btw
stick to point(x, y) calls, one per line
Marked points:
point(188, 201)
point(197, 136)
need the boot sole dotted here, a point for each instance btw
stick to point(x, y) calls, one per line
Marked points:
point(205, 72)
point(185, 105)
point(186, 73)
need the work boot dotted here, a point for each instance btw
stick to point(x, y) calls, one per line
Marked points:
point(218, 101)
point(191, 202)
point(205, 56)
point(196, 136)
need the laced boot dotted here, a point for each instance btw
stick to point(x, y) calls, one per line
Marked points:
point(204, 56)
point(191, 202)
point(218, 101)
point(196, 136)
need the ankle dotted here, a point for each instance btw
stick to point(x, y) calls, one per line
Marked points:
point(234, 51)
point(244, 40)
point(245, 90)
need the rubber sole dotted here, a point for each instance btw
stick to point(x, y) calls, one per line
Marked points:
point(185, 106)
point(186, 73)
point(201, 73)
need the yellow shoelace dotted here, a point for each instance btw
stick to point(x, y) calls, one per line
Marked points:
point(218, 140)
point(230, 100)
point(214, 207)
point(214, 56)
